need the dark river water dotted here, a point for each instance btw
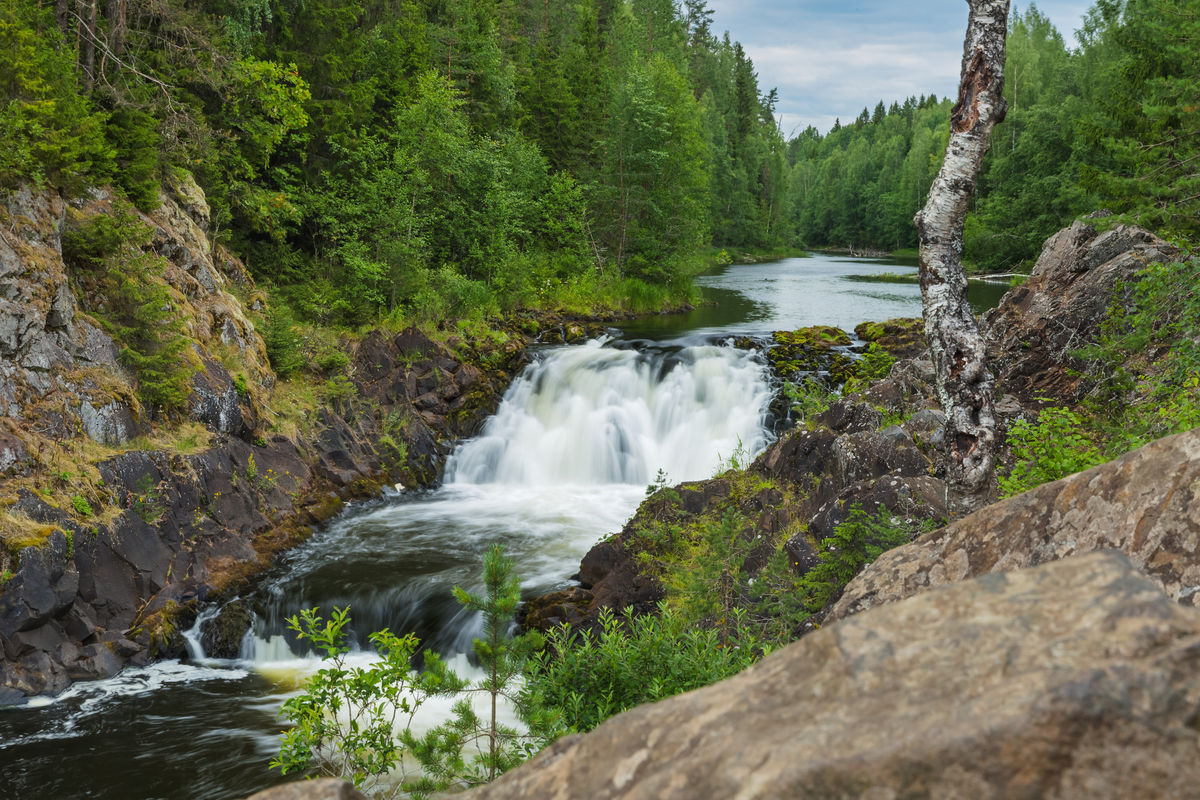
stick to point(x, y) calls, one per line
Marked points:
point(565, 460)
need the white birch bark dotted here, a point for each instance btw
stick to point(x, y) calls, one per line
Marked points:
point(964, 384)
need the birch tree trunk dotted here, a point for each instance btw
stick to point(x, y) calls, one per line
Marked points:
point(964, 384)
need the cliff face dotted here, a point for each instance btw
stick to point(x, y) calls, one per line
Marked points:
point(113, 525)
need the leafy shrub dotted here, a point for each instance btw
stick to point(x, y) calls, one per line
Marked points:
point(786, 601)
point(344, 721)
point(355, 722)
point(630, 661)
point(1051, 448)
point(1144, 366)
point(808, 398)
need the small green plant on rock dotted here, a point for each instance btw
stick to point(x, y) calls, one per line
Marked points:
point(82, 507)
point(808, 398)
point(345, 720)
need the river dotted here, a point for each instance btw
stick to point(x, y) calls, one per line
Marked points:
point(565, 460)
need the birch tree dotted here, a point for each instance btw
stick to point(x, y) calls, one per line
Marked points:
point(964, 384)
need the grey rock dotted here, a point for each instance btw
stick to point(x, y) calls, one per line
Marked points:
point(1073, 680)
point(1144, 504)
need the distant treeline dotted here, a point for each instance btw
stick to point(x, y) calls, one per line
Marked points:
point(1113, 123)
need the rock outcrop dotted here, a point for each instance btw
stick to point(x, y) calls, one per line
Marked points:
point(1077, 679)
point(1032, 333)
point(1145, 504)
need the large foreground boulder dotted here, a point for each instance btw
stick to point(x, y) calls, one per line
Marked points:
point(1075, 679)
point(1146, 503)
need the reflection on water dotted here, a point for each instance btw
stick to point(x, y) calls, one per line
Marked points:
point(820, 289)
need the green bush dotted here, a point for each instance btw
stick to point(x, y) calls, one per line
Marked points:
point(808, 398)
point(630, 661)
point(1133, 398)
point(50, 132)
point(283, 342)
point(355, 722)
point(138, 308)
point(785, 601)
point(1054, 447)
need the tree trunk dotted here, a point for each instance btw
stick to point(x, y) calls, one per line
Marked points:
point(964, 384)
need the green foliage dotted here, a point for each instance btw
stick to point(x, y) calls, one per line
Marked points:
point(355, 722)
point(876, 363)
point(5, 577)
point(494, 747)
point(153, 336)
point(783, 602)
point(82, 507)
point(1055, 446)
point(51, 133)
point(345, 721)
point(630, 661)
point(859, 186)
point(808, 398)
point(137, 306)
point(709, 582)
point(1144, 367)
point(283, 342)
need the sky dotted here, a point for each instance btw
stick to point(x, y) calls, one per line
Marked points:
point(831, 58)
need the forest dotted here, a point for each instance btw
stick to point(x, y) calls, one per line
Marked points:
point(418, 159)
point(426, 159)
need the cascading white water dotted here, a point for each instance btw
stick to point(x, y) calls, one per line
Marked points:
point(599, 415)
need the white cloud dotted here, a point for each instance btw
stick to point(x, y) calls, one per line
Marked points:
point(831, 58)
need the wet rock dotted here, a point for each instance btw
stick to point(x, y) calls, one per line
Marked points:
point(1072, 680)
point(902, 338)
point(564, 607)
point(222, 636)
point(615, 580)
point(318, 789)
point(1143, 504)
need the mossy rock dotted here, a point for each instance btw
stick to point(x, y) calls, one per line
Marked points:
point(817, 336)
point(903, 337)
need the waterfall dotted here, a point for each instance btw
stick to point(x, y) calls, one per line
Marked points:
point(595, 415)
